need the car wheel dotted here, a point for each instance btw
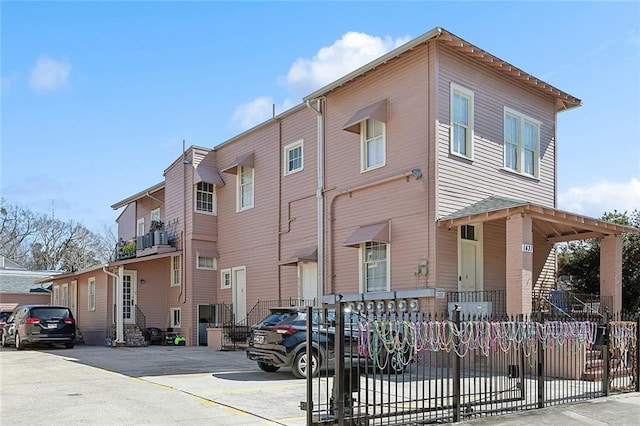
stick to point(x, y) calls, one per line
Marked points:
point(19, 345)
point(301, 365)
point(69, 345)
point(5, 344)
point(269, 368)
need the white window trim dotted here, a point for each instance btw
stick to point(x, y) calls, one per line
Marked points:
point(239, 206)
point(363, 284)
point(172, 312)
point(213, 268)
point(91, 294)
point(223, 273)
point(174, 282)
point(56, 295)
point(140, 227)
point(521, 119)
point(214, 206)
point(155, 214)
point(287, 150)
point(467, 93)
point(363, 147)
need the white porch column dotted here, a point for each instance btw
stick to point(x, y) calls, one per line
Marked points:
point(120, 307)
point(611, 271)
point(519, 264)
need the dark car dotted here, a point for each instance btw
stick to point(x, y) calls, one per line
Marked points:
point(4, 316)
point(280, 340)
point(39, 324)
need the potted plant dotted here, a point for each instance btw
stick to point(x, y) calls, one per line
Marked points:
point(157, 228)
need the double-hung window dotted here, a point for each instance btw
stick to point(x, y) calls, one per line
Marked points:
point(293, 160)
point(521, 143)
point(245, 188)
point(375, 266)
point(205, 197)
point(461, 137)
point(176, 270)
point(373, 144)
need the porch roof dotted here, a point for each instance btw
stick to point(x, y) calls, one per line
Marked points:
point(556, 225)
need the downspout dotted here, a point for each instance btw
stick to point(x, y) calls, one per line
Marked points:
point(319, 195)
point(119, 306)
point(280, 171)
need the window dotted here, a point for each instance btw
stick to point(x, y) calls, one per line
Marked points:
point(176, 270)
point(174, 315)
point(140, 227)
point(64, 295)
point(155, 215)
point(293, 161)
point(245, 188)
point(225, 278)
point(467, 232)
point(91, 291)
point(375, 266)
point(461, 137)
point(521, 143)
point(56, 294)
point(205, 197)
point(373, 145)
point(205, 262)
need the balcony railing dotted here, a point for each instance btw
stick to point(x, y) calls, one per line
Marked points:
point(134, 247)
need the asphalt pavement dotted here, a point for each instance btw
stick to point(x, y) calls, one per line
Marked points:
point(160, 385)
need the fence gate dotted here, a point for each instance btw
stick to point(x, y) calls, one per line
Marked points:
point(623, 356)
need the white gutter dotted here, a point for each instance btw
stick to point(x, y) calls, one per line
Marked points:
point(319, 195)
point(119, 305)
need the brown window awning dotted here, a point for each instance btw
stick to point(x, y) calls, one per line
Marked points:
point(244, 161)
point(378, 232)
point(207, 174)
point(377, 111)
point(207, 253)
point(307, 254)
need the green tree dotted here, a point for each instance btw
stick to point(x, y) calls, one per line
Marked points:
point(581, 261)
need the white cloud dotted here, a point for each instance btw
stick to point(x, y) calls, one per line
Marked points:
point(7, 83)
point(595, 200)
point(349, 53)
point(49, 74)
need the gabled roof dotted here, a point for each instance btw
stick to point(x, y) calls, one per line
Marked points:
point(563, 100)
point(556, 225)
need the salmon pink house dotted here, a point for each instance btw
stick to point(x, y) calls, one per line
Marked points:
point(425, 177)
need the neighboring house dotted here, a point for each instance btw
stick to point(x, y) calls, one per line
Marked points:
point(428, 172)
point(19, 286)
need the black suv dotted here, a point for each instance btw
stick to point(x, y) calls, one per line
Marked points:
point(280, 340)
point(39, 324)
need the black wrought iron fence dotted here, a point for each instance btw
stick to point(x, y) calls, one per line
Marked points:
point(395, 368)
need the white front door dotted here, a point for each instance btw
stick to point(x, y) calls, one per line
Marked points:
point(73, 298)
point(129, 295)
point(470, 260)
point(239, 285)
point(308, 280)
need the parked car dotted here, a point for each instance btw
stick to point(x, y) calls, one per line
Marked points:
point(280, 340)
point(4, 315)
point(39, 324)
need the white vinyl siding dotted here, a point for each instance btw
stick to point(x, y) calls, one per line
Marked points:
point(373, 144)
point(293, 158)
point(205, 198)
point(91, 294)
point(521, 143)
point(245, 188)
point(461, 137)
point(176, 270)
point(375, 266)
point(204, 262)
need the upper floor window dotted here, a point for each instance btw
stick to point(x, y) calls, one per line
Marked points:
point(245, 188)
point(91, 292)
point(205, 197)
point(155, 215)
point(461, 137)
point(375, 266)
point(521, 143)
point(176, 270)
point(373, 144)
point(293, 160)
point(140, 227)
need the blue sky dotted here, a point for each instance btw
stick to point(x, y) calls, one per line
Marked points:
point(98, 96)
